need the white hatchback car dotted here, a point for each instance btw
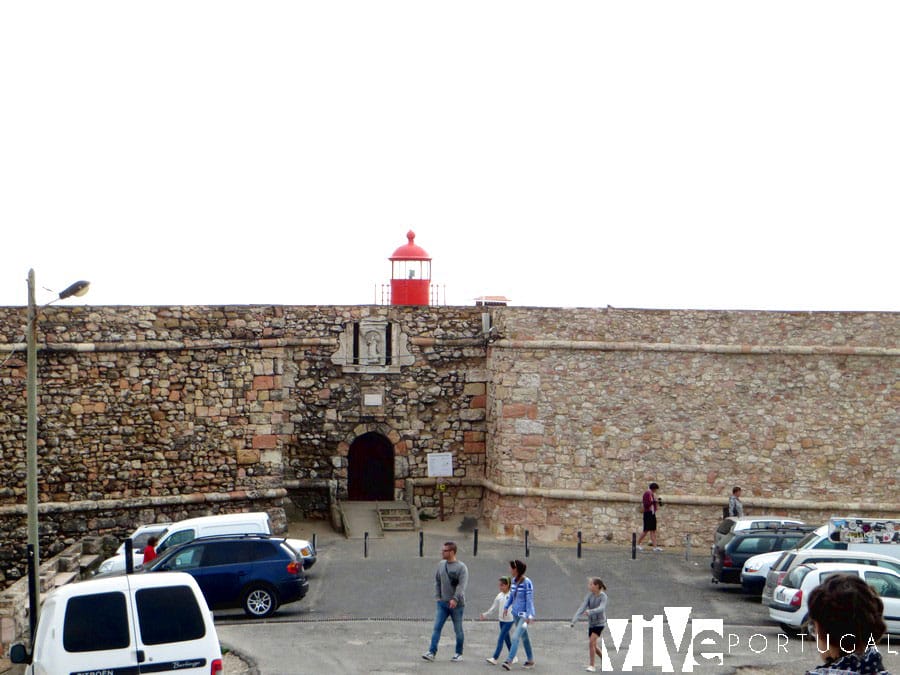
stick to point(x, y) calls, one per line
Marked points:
point(756, 569)
point(789, 607)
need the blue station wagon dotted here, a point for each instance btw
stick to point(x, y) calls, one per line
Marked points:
point(257, 573)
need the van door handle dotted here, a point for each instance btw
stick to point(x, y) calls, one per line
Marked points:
point(141, 656)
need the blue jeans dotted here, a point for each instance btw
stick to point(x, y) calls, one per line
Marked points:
point(520, 633)
point(441, 614)
point(503, 638)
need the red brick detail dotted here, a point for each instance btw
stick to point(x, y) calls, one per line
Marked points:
point(478, 401)
point(265, 441)
point(528, 410)
point(264, 382)
point(473, 448)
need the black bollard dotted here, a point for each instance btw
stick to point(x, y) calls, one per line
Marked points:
point(314, 543)
point(633, 545)
point(475, 544)
point(366, 545)
point(421, 543)
point(129, 556)
point(526, 543)
point(579, 543)
point(32, 595)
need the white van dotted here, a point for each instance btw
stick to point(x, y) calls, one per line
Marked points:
point(127, 624)
point(208, 526)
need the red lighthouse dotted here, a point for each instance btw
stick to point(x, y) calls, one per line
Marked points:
point(410, 274)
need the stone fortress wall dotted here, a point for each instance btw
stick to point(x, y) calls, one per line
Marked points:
point(556, 421)
point(587, 407)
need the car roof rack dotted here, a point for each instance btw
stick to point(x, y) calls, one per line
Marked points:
point(238, 535)
point(779, 528)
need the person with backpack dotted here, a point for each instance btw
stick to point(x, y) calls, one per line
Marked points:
point(735, 506)
point(450, 580)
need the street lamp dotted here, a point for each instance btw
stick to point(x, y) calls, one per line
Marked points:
point(79, 288)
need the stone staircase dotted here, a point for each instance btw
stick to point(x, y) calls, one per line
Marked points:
point(396, 517)
point(376, 518)
point(76, 562)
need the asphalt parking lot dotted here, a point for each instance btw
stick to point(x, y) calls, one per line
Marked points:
point(374, 614)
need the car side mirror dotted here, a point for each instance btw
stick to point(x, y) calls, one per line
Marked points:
point(18, 654)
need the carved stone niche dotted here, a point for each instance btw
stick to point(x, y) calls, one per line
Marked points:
point(373, 345)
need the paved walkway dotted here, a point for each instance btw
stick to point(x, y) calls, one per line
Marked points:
point(374, 614)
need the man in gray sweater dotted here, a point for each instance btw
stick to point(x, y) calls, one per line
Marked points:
point(450, 580)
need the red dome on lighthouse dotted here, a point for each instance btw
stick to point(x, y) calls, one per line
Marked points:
point(410, 250)
point(410, 274)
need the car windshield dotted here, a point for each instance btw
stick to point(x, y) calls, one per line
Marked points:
point(796, 576)
point(785, 560)
point(808, 540)
point(141, 540)
point(725, 526)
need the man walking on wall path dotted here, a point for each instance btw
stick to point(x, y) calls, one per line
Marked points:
point(735, 507)
point(450, 580)
point(649, 504)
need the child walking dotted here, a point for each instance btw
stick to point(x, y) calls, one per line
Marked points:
point(594, 606)
point(505, 617)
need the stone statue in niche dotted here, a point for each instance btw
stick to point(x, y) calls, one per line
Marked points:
point(374, 347)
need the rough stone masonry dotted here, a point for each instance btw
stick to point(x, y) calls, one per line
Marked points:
point(556, 420)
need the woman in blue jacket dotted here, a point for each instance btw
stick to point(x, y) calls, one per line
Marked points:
point(521, 605)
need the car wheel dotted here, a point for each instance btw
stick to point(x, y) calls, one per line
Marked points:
point(259, 601)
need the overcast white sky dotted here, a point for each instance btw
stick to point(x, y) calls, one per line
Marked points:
point(671, 154)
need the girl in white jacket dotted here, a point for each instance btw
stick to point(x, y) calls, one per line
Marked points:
point(505, 617)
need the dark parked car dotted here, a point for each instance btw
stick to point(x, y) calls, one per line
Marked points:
point(733, 550)
point(255, 572)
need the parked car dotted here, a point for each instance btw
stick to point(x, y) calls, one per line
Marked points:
point(126, 624)
point(789, 606)
point(754, 581)
point(206, 526)
point(733, 550)
point(736, 524)
point(822, 538)
point(256, 572)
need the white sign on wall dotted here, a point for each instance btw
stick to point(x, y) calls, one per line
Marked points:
point(440, 464)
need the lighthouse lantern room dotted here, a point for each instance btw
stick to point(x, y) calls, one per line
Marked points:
point(410, 274)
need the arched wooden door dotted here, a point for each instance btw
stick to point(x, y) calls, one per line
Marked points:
point(370, 470)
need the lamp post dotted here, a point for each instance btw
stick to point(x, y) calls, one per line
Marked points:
point(31, 485)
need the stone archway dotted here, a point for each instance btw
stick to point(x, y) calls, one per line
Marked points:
point(370, 468)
